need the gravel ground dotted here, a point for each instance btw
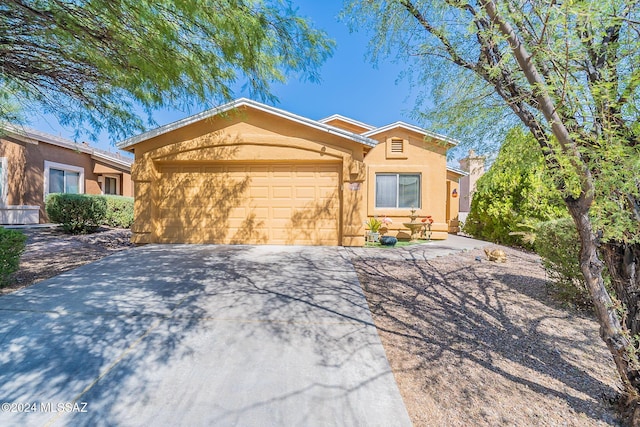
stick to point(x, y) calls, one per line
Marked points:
point(50, 252)
point(471, 343)
point(480, 343)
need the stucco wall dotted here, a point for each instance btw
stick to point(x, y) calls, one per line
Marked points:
point(247, 136)
point(425, 157)
point(474, 165)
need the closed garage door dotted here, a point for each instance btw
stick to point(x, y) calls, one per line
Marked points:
point(248, 203)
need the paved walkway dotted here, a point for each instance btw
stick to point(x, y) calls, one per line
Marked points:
point(424, 251)
point(197, 336)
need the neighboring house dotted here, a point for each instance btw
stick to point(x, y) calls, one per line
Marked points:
point(473, 165)
point(34, 164)
point(250, 173)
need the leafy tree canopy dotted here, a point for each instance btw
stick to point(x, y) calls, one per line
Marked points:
point(514, 194)
point(569, 71)
point(94, 61)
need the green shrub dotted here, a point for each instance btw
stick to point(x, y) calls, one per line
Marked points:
point(558, 245)
point(78, 213)
point(119, 211)
point(514, 194)
point(12, 244)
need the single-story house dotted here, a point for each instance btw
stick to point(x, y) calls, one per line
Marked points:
point(250, 173)
point(34, 164)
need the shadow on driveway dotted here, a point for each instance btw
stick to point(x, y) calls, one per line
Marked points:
point(199, 335)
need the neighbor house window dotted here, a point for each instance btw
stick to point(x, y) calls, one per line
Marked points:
point(110, 186)
point(61, 178)
point(397, 190)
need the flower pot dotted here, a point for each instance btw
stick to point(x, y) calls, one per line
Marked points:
point(373, 237)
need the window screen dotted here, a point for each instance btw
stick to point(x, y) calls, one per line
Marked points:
point(61, 181)
point(72, 182)
point(56, 181)
point(408, 191)
point(397, 190)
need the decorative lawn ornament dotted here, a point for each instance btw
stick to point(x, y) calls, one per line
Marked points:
point(496, 255)
point(388, 241)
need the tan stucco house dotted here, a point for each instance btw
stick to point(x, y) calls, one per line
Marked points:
point(246, 172)
point(34, 164)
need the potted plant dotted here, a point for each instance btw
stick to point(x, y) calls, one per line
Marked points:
point(373, 224)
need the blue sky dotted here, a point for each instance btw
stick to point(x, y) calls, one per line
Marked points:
point(350, 86)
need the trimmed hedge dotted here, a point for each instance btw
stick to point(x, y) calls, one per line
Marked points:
point(78, 213)
point(557, 243)
point(119, 211)
point(12, 244)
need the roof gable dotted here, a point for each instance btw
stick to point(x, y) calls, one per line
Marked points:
point(239, 103)
point(34, 136)
point(459, 172)
point(412, 128)
point(352, 123)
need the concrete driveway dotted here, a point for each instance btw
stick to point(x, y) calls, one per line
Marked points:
point(197, 336)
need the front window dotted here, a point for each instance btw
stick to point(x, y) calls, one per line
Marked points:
point(395, 190)
point(60, 178)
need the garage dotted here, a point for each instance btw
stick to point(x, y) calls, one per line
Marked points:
point(248, 203)
point(249, 173)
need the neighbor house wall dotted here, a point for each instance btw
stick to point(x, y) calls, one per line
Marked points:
point(26, 168)
point(124, 177)
point(474, 165)
point(453, 201)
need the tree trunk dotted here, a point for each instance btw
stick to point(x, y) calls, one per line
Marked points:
point(611, 331)
point(615, 335)
point(623, 263)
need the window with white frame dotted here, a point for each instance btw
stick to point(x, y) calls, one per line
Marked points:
point(398, 190)
point(61, 178)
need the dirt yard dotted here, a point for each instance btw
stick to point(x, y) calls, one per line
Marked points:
point(471, 343)
point(480, 343)
point(50, 252)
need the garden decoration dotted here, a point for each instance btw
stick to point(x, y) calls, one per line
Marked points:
point(388, 241)
point(496, 255)
point(373, 224)
point(385, 223)
point(426, 227)
point(413, 225)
